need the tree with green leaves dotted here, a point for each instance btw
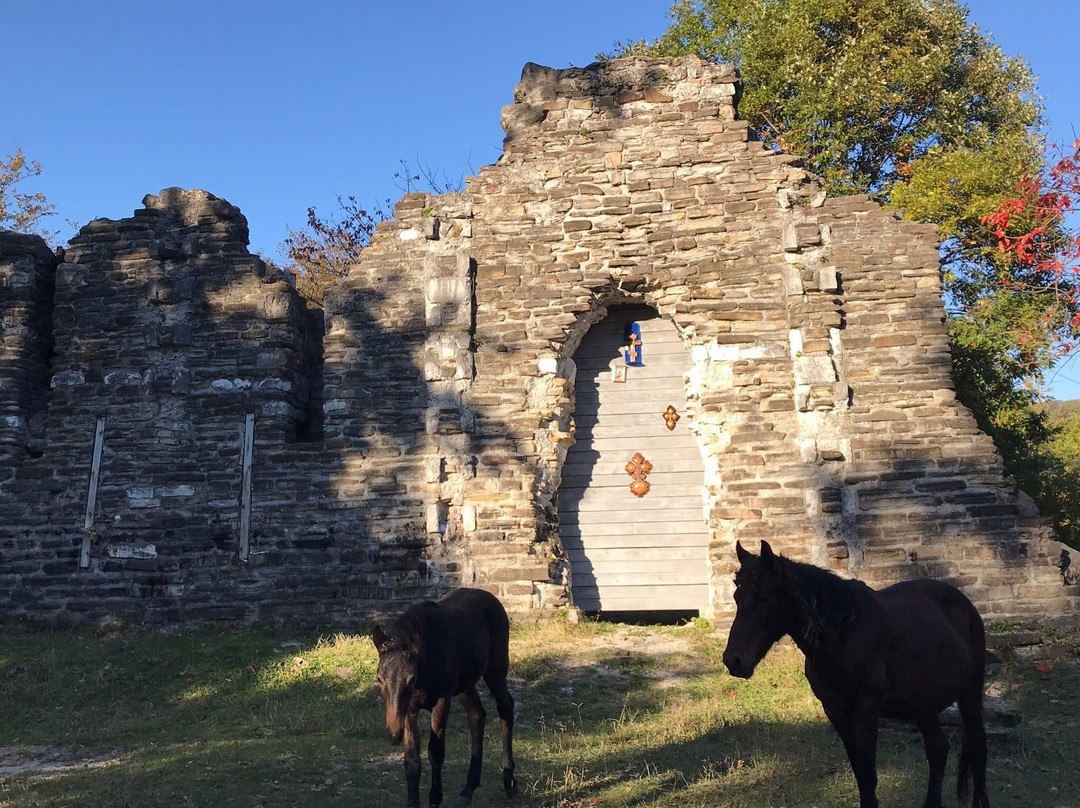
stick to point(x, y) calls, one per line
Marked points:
point(872, 93)
point(910, 102)
point(1059, 476)
point(1038, 258)
point(19, 212)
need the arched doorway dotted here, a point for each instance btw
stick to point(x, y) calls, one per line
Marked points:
point(629, 552)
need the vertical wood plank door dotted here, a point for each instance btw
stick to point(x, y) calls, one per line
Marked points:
point(630, 553)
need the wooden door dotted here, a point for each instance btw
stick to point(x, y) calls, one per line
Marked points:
point(631, 553)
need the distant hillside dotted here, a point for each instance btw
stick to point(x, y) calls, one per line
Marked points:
point(1060, 410)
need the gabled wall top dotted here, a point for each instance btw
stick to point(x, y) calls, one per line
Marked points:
point(613, 87)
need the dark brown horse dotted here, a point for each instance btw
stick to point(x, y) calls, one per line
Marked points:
point(437, 650)
point(906, 652)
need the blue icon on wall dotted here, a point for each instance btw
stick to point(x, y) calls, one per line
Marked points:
point(632, 350)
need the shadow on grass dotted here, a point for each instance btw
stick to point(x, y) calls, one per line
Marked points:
point(626, 729)
point(199, 718)
point(71, 687)
point(215, 718)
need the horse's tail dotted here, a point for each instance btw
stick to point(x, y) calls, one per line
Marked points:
point(963, 770)
point(971, 766)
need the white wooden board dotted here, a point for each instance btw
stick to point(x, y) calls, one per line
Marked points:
point(626, 552)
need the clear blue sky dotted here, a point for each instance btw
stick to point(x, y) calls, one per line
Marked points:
point(279, 105)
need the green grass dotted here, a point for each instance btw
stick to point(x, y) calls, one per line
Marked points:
point(609, 716)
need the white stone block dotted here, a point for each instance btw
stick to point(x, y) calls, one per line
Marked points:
point(444, 290)
point(834, 341)
point(795, 338)
point(793, 285)
point(723, 353)
point(789, 238)
point(123, 377)
point(814, 370)
point(131, 551)
point(468, 518)
point(802, 397)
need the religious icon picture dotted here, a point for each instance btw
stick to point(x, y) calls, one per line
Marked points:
point(618, 374)
point(632, 350)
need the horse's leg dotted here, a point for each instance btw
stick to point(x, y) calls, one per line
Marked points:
point(475, 711)
point(412, 759)
point(858, 731)
point(504, 703)
point(937, 752)
point(437, 749)
point(973, 748)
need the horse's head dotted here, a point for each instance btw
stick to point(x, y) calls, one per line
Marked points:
point(397, 676)
point(763, 610)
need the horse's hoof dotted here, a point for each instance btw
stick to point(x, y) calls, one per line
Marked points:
point(462, 801)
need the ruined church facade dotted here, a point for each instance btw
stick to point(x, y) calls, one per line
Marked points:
point(638, 316)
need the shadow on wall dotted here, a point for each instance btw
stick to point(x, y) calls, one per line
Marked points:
point(170, 331)
point(887, 520)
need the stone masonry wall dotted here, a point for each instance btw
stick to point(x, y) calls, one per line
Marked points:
point(27, 269)
point(169, 335)
point(820, 392)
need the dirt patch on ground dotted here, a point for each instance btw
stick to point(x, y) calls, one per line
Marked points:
point(611, 653)
point(49, 759)
point(623, 638)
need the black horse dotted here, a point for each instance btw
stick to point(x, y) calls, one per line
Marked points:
point(905, 652)
point(436, 650)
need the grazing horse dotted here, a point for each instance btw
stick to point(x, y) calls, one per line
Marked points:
point(905, 652)
point(432, 652)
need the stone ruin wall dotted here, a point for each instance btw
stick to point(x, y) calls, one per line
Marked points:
point(426, 450)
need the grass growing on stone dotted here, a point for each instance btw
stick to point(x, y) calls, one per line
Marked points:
point(608, 716)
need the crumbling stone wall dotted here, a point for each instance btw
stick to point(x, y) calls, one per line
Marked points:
point(27, 269)
point(820, 393)
point(169, 339)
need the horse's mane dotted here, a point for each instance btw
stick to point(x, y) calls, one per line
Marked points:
point(827, 602)
point(408, 623)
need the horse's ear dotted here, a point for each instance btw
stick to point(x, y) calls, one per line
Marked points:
point(379, 638)
point(767, 553)
point(743, 554)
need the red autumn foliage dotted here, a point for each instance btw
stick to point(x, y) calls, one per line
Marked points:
point(1034, 231)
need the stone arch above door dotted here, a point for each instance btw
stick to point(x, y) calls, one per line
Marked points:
point(631, 552)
